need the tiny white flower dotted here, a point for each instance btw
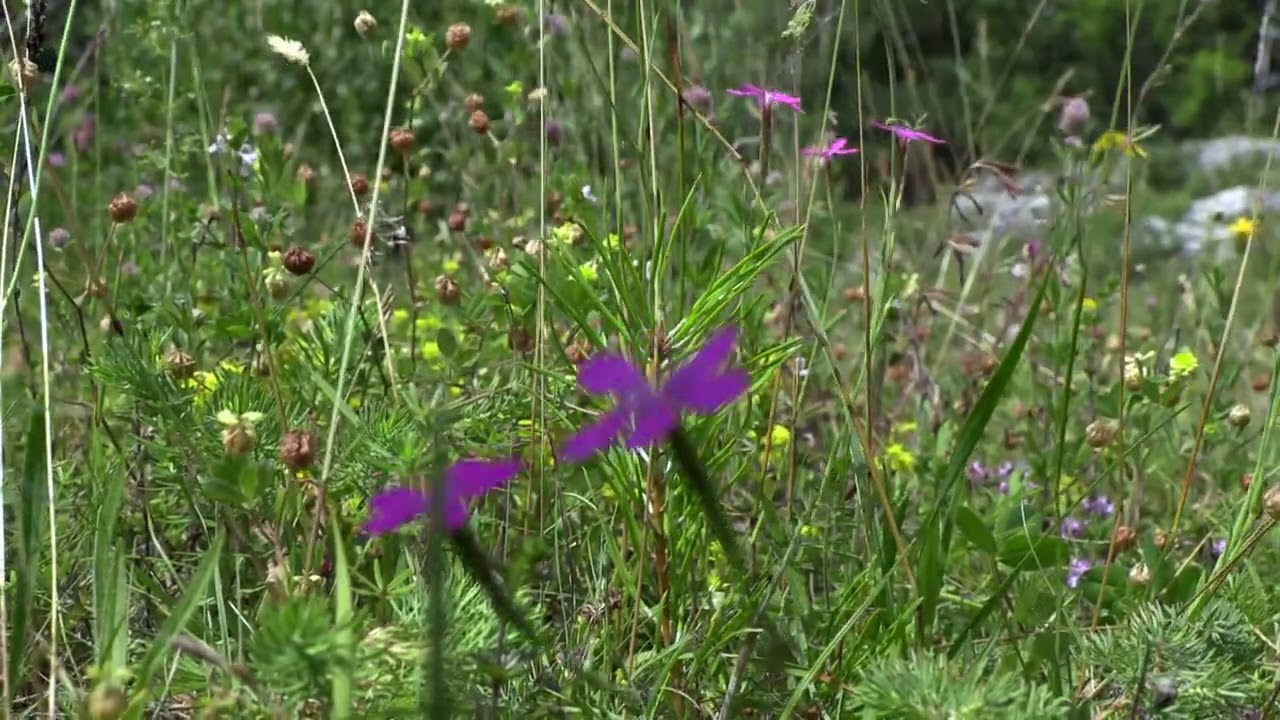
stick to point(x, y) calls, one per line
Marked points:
point(588, 195)
point(248, 159)
point(219, 144)
point(290, 50)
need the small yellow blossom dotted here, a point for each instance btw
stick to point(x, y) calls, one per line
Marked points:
point(1183, 364)
point(451, 266)
point(589, 272)
point(1089, 306)
point(1242, 231)
point(899, 458)
point(1116, 140)
point(810, 531)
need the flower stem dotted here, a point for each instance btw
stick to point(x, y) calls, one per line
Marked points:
point(485, 572)
point(709, 498)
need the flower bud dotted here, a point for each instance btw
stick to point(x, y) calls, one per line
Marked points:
point(1074, 116)
point(1271, 502)
point(1124, 538)
point(1100, 433)
point(457, 37)
point(447, 290)
point(1140, 575)
point(122, 208)
point(1239, 416)
point(365, 23)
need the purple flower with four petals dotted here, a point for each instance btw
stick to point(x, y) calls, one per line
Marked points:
point(394, 508)
point(907, 134)
point(767, 98)
point(839, 146)
point(644, 414)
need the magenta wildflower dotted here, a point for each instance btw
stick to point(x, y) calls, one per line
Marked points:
point(906, 134)
point(767, 98)
point(839, 146)
point(644, 414)
point(391, 509)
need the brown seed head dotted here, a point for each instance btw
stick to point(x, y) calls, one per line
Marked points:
point(510, 15)
point(447, 290)
point(1246, 479)
point(1140, 575)
point(122, 208)
point(1271, 502)
point(238, 440)
point(359, 184)
point(1124, 538)
point(457, 221)
point(298, 449)
point(457, 37)
point(479, 122)
point(1162, 539)
point(359, 229)
point(306, 174)
point(1100, 433)
point(298, 261)
point(1261, 383)
point(520, 340)
point(578, 352)
point(402, 140)
point(180, 365)
point(1239, 416)
point(473, 102)
point(365, 23)
point(426, 207)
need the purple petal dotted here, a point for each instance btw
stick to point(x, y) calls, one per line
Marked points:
point(716, 392)
point(748, 90)
point(812, 151)
point(651, 423)
point(476, 476)
point(837, 145)
point(790, 101)
point(702, 366)
point(595, 437)
point(610, 374)
point(391, 509)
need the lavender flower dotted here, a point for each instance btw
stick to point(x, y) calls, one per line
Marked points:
point(1217, 548)
point(977, 472)
point(1099, 505)
point(1078, 567)
point(1071, 528)
point(391, 509)
point(767, 98)
point(906, 134)
point(839, 146)
point(644, 414)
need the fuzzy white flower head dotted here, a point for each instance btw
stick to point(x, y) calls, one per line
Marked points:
point(290, 50)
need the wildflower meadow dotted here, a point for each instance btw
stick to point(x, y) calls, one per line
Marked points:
point(640, 359)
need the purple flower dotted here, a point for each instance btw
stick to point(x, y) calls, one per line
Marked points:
point(906, 134)
point(1072, 528)
point(839, 146)
point(391, 509)
point(976, 471)
point(1078, 567)
point(69, 94)
point(57, 159)
point(644, 414)
point(1099, 505)
point(767, 98)
point(1218, 547)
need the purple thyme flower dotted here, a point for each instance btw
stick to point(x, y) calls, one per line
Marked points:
point(906, 134)
point(767, 98)
point(393, 508)
point(1078, 567)
point(1099, 505)
point(1217, 548)
point(1072, 528)
point(977, 472)
point(644, 414)
point(839, 146)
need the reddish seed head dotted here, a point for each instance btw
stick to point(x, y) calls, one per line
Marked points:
point(358, 231)
point(478, 122)
point(402, 140)
point(122, 208)
point(298, 261)
point(457, 221)
point(457, 37)
point(447, 290)
point(298, 449)
point(359, 184)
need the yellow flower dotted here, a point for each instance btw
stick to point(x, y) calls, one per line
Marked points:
point(1183, 364)
point(452, 265)
point(430, 350)
point(809, 531)
point(1116, 140)
point(1243, 230)
point(906, 427)
point(899, 458)
point(779, 436)
point(1089, 306)
point(589, 272)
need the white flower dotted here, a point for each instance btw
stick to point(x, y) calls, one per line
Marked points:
point(248, 159)
point(588, 195)
point(290, 50)
point(219, 144)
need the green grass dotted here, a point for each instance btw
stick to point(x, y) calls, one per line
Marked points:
point(195, 419)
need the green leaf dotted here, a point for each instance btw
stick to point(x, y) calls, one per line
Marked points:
point(1031, 551)
point(974, 529)
point(447, 342)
